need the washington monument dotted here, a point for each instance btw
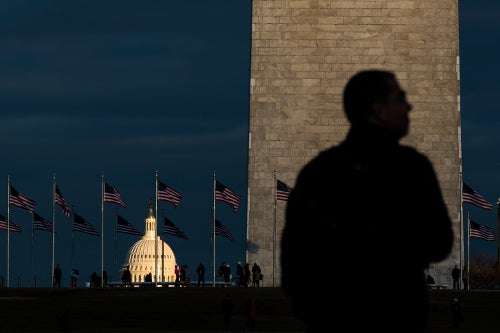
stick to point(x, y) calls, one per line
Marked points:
point(303, 53)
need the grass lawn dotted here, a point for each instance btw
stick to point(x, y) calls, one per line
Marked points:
point(195, 309)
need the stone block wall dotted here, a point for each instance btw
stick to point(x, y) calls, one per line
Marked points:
point(303, 52)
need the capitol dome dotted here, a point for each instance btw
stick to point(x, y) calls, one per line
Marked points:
point(141, 256)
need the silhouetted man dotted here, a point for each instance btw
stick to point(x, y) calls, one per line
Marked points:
point(126, 276)
point(455, 274)
point(200, 271)
point(57, 276)
point(104, 279)
point(364, 204)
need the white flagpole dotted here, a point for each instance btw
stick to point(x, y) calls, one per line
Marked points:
point(53, 225)
point(498, 230)
point(462, 255)
point(102, 231)
point(274, 232)
point(213, 235)
point(31, 248)
point(8, 231)
point(156, 227)
point(468, 251)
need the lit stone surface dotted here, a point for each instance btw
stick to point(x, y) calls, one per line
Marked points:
point(304, 51)
point(141, 256)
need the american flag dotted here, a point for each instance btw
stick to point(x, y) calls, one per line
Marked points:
point(59, 200)
point(282, 191)
point(475, 198)
point(172, 229)
point(166, 193)
point(80, 225)
point(222, 230)
point(124, 227)
point(20, 200)
point(223, 193)
point(112, 195)
point(12, 226)
point(39, 223)
point(481, 231)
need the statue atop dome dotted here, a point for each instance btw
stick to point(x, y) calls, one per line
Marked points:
point(151, 209)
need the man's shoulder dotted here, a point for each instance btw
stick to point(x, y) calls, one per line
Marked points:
point(322, 160)
point(413, 155)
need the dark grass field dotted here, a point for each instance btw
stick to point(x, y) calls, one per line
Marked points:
point(193, 309)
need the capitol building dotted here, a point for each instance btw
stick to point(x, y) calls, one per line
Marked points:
point(141, 256)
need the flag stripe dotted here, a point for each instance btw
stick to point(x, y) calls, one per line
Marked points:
point(171, 229)
point(13, 227)
point(222, 230)
point(20, 200)
point(41, 224)
point(282, 191)
point(168, 194)
point(112, 195)
point(59, 200)
point(124, 227)
point(481, 231)
point(81, 225)
point(223, 193)
point(471, 196)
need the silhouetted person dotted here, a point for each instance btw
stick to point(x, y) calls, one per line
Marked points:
point(200, 272)
point(227, 274)
point(148, 277)
point(465, 280)
point(177, 272)
point(94, 280)
point(104, 278)
point(126, 276)
point(57, 276)
point(74, 278)
point(183, 274)
point(366, 203)
point(246, 275)
point(455, 274)
point(256, 272)
point(239, 274)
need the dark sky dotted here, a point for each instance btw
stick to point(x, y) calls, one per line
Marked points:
point(124, 88)
point(127, 87)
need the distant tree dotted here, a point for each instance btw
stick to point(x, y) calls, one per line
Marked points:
point(484, 272)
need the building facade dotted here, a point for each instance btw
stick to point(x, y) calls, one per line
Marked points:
point(141, 256)
point(303, 53)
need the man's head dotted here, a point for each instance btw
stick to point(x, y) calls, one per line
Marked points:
point(375, 97)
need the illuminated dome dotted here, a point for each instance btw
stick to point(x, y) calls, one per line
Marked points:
point(141, 256)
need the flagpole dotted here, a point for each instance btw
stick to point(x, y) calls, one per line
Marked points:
point(274, 232)
point(462, 259)
point(213, 235)
point(32, 240)
point(102, 231)
point(115, 247)
point(156, 227)
point(468, 250)
point(8, 231)
point(498, 230)
point(53, 224)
